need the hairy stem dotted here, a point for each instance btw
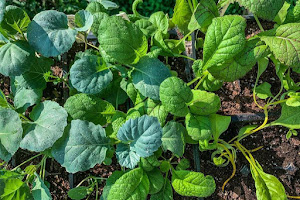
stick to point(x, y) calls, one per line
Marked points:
point(258, 23)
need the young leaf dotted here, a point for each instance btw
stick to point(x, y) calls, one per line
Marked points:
point(166, 193)
point(189, 183)
point(49, 121)
point(198, 127)
point(15, 58)
point(160, 20)
point(108, 5)
point(149, 163)
point(156, 181)
point(146, 27)
point(174, 95)
point(290, 117)
point(15, 20)
point(78, 193)
point(81, 147)
point(83, 20)
point(98, 19)
point(293, 13)
point(89, 108)
point(137, 189)
point(147, 76)
point(2, 9)
point(117, 43)
point(40, 190)
point(15, 189)
point(219, 124)
point(183, 164)
point(285, 44)
point(182, 15)
point(10, 133)
point(156, 110)
point(268, 187)
point(173, 138)
point(127, 157)
point(264, 9)
point(143, 133)
point(49, 33)
point(263, 91)
point(90, 75)
point(211, 84)
point(204, 103)
point(224, 39)
point(203, 15)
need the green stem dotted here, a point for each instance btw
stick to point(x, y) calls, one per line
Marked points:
point(195, 3)
point(183, 56)
point(184, 38)
point(26, 161)
point(97, 190)
point(259, 24)
point(191, 6)
point(202, 79)
point(88, 43)
point(193, 81)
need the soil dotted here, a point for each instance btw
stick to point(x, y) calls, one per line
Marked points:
point(279, 156)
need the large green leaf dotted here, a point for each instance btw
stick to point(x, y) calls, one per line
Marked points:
point(49, 33)
point(242, 63)
point(224, 39)
point(83, 20)
point(95, 7)
point(264, 9)
point(166, 193)
point(156, 110)
point(268, 187)
point(189, 183)
point(40, 190)
point(285, 44)
point(290, 117)
point(25, 98)
point(198, 127)
point(146, 27)
point(10, 133)
point(156, 180)
point(48, 122)
point(182, 15)
point(122, 40)
point(203, 15)
point(90, 75)
point(15, 189)
point(143, 135)
point(81, 147)
point(15, 20)
point(98, 19)
point(173, 138)
point(132, 185)
point(160, 20)
point(110, 182)
point(174, 95)
point(204, 103)
point(147, 76)
point(89, 108)
point(15, 58)
point(2, 9)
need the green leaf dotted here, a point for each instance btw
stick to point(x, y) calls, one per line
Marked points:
point(149, 163)
point(268, 187)
point(109, 5)
point(290, 117)
point(98, 19)
point(239, 65)
point(173, 138)
point(182, 15)
point(293, 13)
point(204, 103)
point(127, 157)
point(174, 95)
point(263, 91)
point(95, 7)
point(146, 27)
point(143, 135)
point(2, 9)
point(89, 108)
point(156, 181)
point(198, 127)
point(25, 98)
point(110, 182)
point(3, 100)
point(137, 189)
point(285, 44)
point(160, 20)
point(10, 133)
point(90, 75)
point(156, 110)
point(294, 100)
point(82, 147)
point(40, 190)
point(219, 124)
point(203, 15)
point(183, 164)
point(264, 9)
point(117, 43)
point(211, 84)
point(188, 183)
point(166, 193)
point(49, 33)
point(49, 121)
point(78, 193)
point(15, 20)
point(147, 76)
point(15, 58)
point(225, 38)
point(246, 129)
point(15, 189)
point(83, 20)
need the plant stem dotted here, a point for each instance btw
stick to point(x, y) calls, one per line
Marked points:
point(183, 56)
point(193, 81)
point(183, 39)
point(88, 43)
point(195, 3)
point(26, 161)
point(258, 23)
point(191, 6)
point(97, 190)
point(202, 79)
point(293, 197)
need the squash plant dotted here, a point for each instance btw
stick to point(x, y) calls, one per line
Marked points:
point(166, 113)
